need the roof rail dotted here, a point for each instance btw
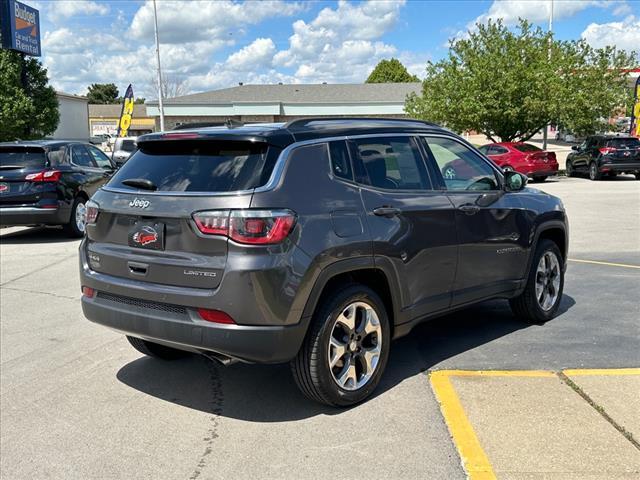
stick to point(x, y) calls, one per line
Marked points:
point(300, 123)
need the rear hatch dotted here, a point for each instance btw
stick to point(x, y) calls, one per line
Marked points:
point(17, 164)
point(622, 150)
point(145, 228)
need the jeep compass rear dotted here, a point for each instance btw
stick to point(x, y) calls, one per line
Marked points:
point(316, 243)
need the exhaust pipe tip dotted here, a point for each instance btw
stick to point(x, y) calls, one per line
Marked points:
point(221, 359)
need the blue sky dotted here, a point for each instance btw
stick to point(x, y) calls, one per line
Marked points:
point(208, 45)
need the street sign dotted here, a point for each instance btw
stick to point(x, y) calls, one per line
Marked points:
point(20, 27)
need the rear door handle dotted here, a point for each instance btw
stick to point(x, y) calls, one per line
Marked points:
point(386, 211)
point(469, 209)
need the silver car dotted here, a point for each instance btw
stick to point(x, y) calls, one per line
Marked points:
point(123, 148)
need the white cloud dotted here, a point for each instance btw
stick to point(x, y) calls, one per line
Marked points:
point(180, 21)
point(339, 45)
point(71, 8)
point(257, 54)
point(621, 9)
point(510, 10)
point(623, 34)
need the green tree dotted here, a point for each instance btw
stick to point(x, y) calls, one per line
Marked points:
point(391, 71)
point(510, 84)
point(102, 93)
point(28, 105)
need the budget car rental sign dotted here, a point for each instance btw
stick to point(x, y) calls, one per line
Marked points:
point(20, 27)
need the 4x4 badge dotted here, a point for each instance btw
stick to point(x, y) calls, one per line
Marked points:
point(139, 203)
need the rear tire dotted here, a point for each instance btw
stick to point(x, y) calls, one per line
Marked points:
point(75, 227)
point(539, 179)
point(156, 350)
point(594, 173)
point(365, 348)
point(637, 176)
point(528, 306)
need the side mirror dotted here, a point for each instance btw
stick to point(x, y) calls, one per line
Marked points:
point(574, 147)
point(514, 181)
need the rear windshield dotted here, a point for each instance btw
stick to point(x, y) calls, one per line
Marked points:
point(199, 166)
point(624, 143)
point(128, 145)
point(21, 157)
point(526, 147)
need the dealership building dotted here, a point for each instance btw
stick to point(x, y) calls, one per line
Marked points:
point(281, 103)
point(103, 119)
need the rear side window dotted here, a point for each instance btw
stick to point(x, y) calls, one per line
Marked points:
point(80, 156)
point(526, 147)
point(340, 162)
point(199, 165)
point(21, 157)
point(624, 143)
point(392, 163)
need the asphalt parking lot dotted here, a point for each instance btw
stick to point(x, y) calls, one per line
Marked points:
point(78, 402)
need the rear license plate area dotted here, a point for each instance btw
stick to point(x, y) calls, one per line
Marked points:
point(147, 235)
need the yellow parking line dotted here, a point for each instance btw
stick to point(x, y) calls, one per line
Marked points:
point(609, 264)
point(474, 460)
point(581, 372)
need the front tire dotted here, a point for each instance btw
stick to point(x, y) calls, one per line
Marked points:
point(541, 297)
point(570, 170)
point(155, 350)
point(637, 176)
point(76, 226)
point(594, 173)
point(539, 179)
point(346, 349)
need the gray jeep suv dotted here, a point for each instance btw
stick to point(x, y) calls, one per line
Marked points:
point(314, 242)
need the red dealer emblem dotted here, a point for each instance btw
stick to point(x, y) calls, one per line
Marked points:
point(145, 236)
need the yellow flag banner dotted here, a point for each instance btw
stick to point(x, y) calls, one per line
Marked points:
point(127, 112)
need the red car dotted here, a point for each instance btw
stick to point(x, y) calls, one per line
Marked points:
point(522, 157)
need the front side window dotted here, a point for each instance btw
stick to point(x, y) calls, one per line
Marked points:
point(80, 156)
point(392, 163)
point(461, 168)
point(100, 158)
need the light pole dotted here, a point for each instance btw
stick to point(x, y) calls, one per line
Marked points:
point(155, 25)
point(546, 126)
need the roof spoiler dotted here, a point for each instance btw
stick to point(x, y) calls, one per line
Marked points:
point(301, 123)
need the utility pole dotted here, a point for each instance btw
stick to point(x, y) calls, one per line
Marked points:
point(155, 24)
point(546, 127)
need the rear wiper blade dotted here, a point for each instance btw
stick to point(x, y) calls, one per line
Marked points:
point(10, 167)
point(142, 183)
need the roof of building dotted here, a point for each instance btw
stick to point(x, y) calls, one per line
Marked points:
point(301, 93)
point(70, 96)
point(283, 134)
point(113, 110)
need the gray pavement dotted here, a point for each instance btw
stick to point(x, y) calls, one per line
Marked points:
point(76, 401)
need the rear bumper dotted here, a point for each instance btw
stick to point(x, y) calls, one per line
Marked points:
point(251, 344)
point(17, 216)
point(620, 167)
point(544, 170)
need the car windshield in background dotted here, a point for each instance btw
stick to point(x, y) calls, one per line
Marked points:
point(624, 143)
point(128, 145)
point(526, 147)
point(22, 157)
point(199, 166)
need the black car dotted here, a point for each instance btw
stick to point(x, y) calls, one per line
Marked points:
point(601, 155)
point(48, 182)
point(314, 242)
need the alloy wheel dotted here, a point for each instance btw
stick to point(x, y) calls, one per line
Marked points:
point(593, 172)
point(355, 346)
point(81, 211)
point(548, 280)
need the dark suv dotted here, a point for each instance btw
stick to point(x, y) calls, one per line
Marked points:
point(601, 155)
point(315, 242)
point(48, 182)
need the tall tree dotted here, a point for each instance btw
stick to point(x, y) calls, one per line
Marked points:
point(510, 84)
point(173, 85)
point(102, 93)
point(391, 71)
point(28, 105)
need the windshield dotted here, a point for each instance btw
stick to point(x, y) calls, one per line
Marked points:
point(526, 147)
point(199, 166)
point(22, 157)
point(624, 143)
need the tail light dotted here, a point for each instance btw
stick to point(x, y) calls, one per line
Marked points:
point(252, 227)
point(91, 212)
point(606, 150)
point(215, 316)
point(44, 176)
